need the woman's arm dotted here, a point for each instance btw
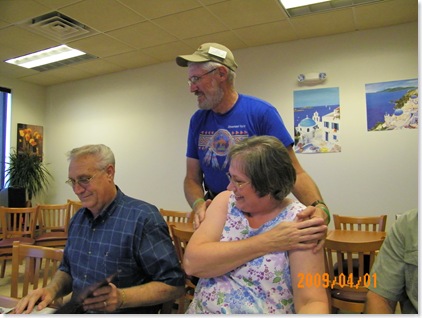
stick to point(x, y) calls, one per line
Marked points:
point(310, 297)
point(206, 256)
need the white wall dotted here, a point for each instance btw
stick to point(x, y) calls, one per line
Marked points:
point(143, 116)
point(28, 104)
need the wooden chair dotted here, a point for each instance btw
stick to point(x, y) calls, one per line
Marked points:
point(348, 287)
point(17, 224)
point(176, 216)
point(181, 239)
point(52, 220)
point(74, 207)
point(354, 223)
point(39, 266)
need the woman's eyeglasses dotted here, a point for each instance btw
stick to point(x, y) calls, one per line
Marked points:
point(238, 184)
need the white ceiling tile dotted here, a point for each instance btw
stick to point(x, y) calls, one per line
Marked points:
point(137, 33)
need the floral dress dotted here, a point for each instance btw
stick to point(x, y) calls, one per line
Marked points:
point(261, 286)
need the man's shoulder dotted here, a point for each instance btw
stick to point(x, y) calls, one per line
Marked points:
point(253, 100)
point(135, 204)
point(408, 220)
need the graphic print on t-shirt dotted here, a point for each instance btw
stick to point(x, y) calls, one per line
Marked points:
point(217, 144)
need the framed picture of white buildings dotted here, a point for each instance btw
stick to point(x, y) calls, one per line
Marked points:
point(317, 120)
point(392, 105)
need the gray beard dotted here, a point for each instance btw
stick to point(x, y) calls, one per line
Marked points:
point(215, 100)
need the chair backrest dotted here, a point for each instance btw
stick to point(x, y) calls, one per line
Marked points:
point(177, 216)
point(347, 252)
point(39, 266)
point(355, 223)
point(18, 222)
point(180, 239)
point(74, 206)
point(53, 217)
point(348, 266)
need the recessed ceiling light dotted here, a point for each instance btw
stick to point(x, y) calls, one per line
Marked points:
point(288, 4)
point(48, 56)
point(295, 8)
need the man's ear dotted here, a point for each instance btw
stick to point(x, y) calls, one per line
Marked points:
point(110, 171)
point(222, 71)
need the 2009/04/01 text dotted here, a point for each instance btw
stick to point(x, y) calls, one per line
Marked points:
point(317, 280)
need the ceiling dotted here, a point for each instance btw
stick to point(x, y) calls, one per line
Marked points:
point(127, 34)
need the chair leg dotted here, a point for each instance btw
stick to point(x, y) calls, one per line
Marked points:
point(3, 268)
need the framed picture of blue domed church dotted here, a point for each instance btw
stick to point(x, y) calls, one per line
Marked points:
point(317, 120)
point(392, 105)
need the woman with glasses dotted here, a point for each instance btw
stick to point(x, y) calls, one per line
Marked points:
point(238, 251)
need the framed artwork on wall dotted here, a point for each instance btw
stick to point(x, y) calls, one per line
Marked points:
point(30, 139)
point(317, 120)
point(392, 105)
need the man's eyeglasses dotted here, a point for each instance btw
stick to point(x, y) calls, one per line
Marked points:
point(238, 184)
point(83, 182)
point(194, 79)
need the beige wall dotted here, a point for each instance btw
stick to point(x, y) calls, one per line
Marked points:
point(143, 116)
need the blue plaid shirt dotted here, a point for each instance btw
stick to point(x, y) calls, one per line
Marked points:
point(129, 237)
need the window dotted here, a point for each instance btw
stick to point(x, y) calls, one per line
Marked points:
point(5, 96)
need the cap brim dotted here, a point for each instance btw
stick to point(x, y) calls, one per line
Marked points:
point(183, 60)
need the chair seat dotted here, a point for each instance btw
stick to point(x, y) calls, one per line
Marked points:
point(51, 236)
point(349, 295)
point(6, 243)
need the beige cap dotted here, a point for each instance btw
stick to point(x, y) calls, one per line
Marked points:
point(209, 52)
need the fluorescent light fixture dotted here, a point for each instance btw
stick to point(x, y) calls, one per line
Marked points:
point(48, 56)
point(296, 8)
point(288, 4)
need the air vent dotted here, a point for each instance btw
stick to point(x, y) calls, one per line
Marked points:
point(59, 27)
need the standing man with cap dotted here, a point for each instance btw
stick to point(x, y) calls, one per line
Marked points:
point(224, 118)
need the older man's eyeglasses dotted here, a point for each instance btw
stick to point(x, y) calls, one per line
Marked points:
point(194, 79)
point(237, 184)
point(83, 182)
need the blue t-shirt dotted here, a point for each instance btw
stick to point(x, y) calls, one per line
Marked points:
point(210, 135)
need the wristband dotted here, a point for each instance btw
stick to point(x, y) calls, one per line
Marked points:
point(197, 201)
point(123, 298)
point(318, 202)
point(324, 208)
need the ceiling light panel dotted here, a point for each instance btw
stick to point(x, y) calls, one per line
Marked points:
point(288, 4)
point(55, 57)
point(294, 8)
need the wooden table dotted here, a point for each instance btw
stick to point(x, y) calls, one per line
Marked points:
point(355, 236)
point(8, 302)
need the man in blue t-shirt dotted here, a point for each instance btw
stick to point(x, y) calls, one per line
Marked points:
point(225, 117)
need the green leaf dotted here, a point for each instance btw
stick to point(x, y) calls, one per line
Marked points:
point(26, 170)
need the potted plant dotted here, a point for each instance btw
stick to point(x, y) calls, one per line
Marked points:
point(26, 170)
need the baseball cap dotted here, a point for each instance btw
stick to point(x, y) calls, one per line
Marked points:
point(209, 52)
